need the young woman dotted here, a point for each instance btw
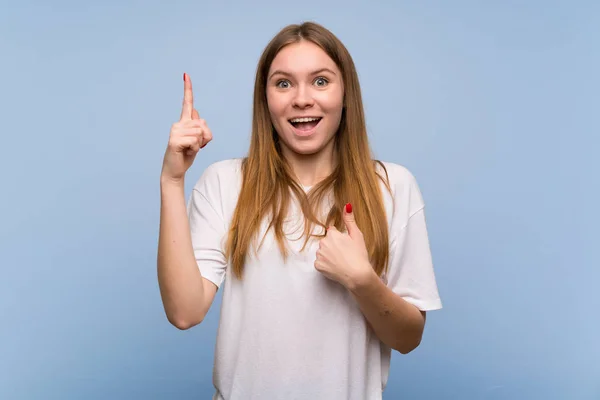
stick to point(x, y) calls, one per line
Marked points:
point(322, 253)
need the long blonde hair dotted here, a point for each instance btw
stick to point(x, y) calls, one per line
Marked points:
point(268, 185)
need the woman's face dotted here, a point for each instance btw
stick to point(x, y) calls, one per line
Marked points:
point(305, 97)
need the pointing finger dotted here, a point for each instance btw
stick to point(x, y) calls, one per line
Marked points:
point(188, 98)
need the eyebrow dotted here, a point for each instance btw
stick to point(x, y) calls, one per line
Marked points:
point(280, 72)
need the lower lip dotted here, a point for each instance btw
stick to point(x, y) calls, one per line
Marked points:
point(299, 132)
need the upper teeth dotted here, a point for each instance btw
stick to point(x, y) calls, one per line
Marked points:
point(303, 119)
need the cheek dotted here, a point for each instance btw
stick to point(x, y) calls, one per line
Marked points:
point(333, 103)
point(276, 106)
point(334, 111)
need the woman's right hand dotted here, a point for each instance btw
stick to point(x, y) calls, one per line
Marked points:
point(188, 136)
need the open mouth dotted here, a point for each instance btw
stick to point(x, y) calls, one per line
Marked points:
point(306, 124)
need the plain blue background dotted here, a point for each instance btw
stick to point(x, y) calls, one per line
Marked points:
point(494, 106)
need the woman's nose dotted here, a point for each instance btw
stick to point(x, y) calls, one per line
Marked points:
point(303, 98)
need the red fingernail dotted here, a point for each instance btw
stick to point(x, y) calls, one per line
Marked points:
point(348, 208)
point(184, 74)
point(203, 145)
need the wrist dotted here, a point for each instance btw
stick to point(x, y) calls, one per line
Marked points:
point(364, 281)
point(170, 182)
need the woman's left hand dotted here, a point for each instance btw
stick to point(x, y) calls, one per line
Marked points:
point(344, 257)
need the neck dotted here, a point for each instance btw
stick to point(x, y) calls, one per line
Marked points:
point(310, 169)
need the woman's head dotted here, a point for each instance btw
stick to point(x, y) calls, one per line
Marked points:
point(305, 71)
point(305, 94)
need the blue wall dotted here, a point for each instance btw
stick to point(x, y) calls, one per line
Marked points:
point(493, 107)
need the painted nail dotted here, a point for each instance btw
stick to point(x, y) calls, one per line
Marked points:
point(184, 74)
point(348, 208)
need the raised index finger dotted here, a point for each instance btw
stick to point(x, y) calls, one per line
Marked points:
point(188, 98)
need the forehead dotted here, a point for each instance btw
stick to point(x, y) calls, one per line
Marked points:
point(301, 58)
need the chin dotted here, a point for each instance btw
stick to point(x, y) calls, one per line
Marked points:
point(305, 151)
point(306, 148)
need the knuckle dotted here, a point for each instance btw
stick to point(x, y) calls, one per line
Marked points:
point(178, 128)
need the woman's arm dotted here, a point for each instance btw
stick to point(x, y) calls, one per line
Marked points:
point(185, 294)
point(396, 322)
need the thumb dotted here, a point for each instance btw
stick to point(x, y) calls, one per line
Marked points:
point(195, 114)
point(349, 221)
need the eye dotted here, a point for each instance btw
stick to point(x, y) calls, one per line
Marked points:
point(320, 81)
point(282, 84)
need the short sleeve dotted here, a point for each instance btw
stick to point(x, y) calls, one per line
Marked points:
point(410, 269)
point(208, 232)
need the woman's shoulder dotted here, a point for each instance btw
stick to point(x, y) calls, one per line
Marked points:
point(220, 179)
point(222, 170)
point(231, 166)
point(402, 187)
point(397, 175)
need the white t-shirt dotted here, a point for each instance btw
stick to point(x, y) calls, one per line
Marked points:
point(286, 332)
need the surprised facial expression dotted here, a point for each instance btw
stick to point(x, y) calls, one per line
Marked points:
point(305, 97)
